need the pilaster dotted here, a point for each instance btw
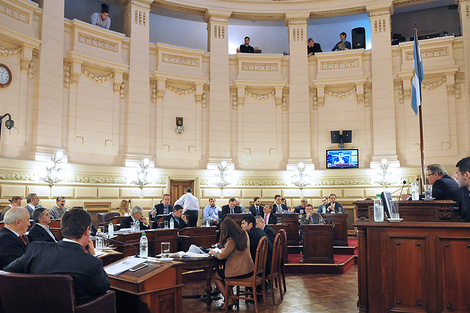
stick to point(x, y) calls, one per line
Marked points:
point(464, 11)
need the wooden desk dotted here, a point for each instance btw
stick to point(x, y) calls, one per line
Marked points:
point(156, 288)
point(340, 231)
point(199, 236)
point(155, 238)
point(291, 220)
point(413, 267)
point(318, 243)
point(111, 257)
point(236, 217)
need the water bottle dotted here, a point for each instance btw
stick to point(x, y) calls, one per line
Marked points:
point(99, 239)
point(110, 229)
point(144, 244)
point(172, 223)
point(378, 209)
point(414, 190)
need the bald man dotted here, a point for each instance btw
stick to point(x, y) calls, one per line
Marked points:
point(12, 239)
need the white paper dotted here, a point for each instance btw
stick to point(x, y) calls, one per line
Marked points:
point(99, 253)
point(123, 266)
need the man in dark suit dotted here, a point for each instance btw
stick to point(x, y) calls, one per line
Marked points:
point(162, 208)
point(312, 47)
point(179, 219)
point(136, 217)
point(300, 209)
point(73, 256)
point(463, 177)
point(256, 209)
point(255, 234)
point(12, 240)
point(332, 206)
point(444, 187)
point(268, 216)
point(230, 208)
point(246, 48)
point(271, 233)
point(278, 206)
point(40, 230)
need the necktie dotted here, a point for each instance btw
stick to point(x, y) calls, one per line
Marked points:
point(166, 210)
point(24, 240)
point(231, 211)
point(311, 218)
point(266, 219)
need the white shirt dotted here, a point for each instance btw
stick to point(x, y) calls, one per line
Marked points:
point(188, 202)
point(48, 230)
point(98, 21)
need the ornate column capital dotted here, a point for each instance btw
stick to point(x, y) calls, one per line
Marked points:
point(296, 19)
point(380, 8)
point(216, 16)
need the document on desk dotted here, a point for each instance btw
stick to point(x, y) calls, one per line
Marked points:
point(123, 266)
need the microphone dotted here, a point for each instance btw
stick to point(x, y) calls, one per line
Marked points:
point(126, 244)
point(401, 191)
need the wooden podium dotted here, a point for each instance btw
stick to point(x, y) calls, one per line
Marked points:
point(318, 243)
point(199, 236)
point(156, 288)
point(290, 222)
point(340, 232)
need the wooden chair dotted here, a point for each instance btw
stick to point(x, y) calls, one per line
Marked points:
point(258, 278)
point(27, 293)
point(275, 276)
point(283, 245)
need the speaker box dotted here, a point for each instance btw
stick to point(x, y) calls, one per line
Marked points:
point(335, 136)
point(359, 38)
point(347, 136)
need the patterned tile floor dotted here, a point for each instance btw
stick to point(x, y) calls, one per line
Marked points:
point(320, 293)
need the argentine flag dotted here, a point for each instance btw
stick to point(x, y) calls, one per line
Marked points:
point(418, 76)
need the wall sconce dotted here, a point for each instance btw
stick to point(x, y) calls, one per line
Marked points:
point(142, 173)
point(179, 126)
point(383, 173)
point(300, 177)
point(9, 123)
point(221, 177)
point(53, 168)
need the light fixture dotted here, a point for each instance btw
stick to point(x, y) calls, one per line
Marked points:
point(53, 168)
point(179, 126)
point(142, 173)
point(384, 173)
point(300, 177)
point(221, 177)
point(9, 123)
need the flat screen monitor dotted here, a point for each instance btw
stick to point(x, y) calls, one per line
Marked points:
point(342, 158)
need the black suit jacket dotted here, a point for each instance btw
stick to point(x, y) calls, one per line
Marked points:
point(271, 233)
point(11, 247)
point(254, 212)
point(276, 209)
point(179, 223)
point(447, 188)
point(69, 258)
point(316, 48)
point(38, 233)
point(159, 208)
point(246, 49)
point(465, 204)
point(226, 210)
point(255, 235)
point(272, 218)
point(126, 223)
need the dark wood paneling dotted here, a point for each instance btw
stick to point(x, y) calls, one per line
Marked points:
point(318, 243)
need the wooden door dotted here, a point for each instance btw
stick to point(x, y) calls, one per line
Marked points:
point(178, 188)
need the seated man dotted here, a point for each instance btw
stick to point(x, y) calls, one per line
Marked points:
point(255, 234)
point(268, 216)
point(40, 230)
point(310, 217)
point(246, 48)
point(343, 44)
point(136, 217)
point(211, 212)
point(59, 209)
point(278, 206)
point(74, 256)
point(332, 207)
point(15, 201)
point(238, 204)
point(256, 209)
point(32, 201)
point(101, 19)
point(13, 242)
point(179, 219)
point(230, 208)
point(312, 47)
point(300, 209)
point(322, 207)
point(270, 233)
point(162, 208)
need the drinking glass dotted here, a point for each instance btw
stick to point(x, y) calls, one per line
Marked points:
point(428, 191)
point(165, 224)
point(165, 250)
point(394, 210)
point(133, 226)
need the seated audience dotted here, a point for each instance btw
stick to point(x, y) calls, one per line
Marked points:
point(255, 234)
point(343, 44)
point(235, 252)
point(322, 207)
point(101, 19)
point(246, 48)
point(230, 208)
point(59, 209)
point(123, 208)
point(136, 217)
point(40, 230)
point(179, 219)
point(256, 209)
point(300, 209)
point(238, 203)
point(32, 201)
point(463, 176)
point(332, 206)
point(278, 206)
point(312, 47)
point(270, 233)
point(12, 238)
point(74, 256)
point(15, 201)
point(211, 212)
point(162, 208)
point(268, 216)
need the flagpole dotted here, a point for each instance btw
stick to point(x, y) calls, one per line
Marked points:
point(420, 117)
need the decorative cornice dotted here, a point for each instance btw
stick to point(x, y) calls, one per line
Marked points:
point(333, 65)
point(259, 67)
point(429, 53)
point(379, 12)
point(16, 176)
point(15, 13)
point(98, 42)
point(180, 60)
point(140, 4)
point(98, 180)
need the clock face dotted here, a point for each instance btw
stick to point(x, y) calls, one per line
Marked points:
point(5, 76)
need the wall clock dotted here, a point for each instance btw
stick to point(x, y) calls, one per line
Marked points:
point(5, 76)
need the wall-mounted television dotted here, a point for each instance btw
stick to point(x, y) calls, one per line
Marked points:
point(342, 158)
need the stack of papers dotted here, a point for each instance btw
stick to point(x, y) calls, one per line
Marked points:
point(123, 266)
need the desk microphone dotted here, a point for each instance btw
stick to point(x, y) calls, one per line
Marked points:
point(401, 191)
point(126, 244)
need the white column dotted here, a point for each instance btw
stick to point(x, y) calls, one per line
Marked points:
point(464, 10)
point(383, 102)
